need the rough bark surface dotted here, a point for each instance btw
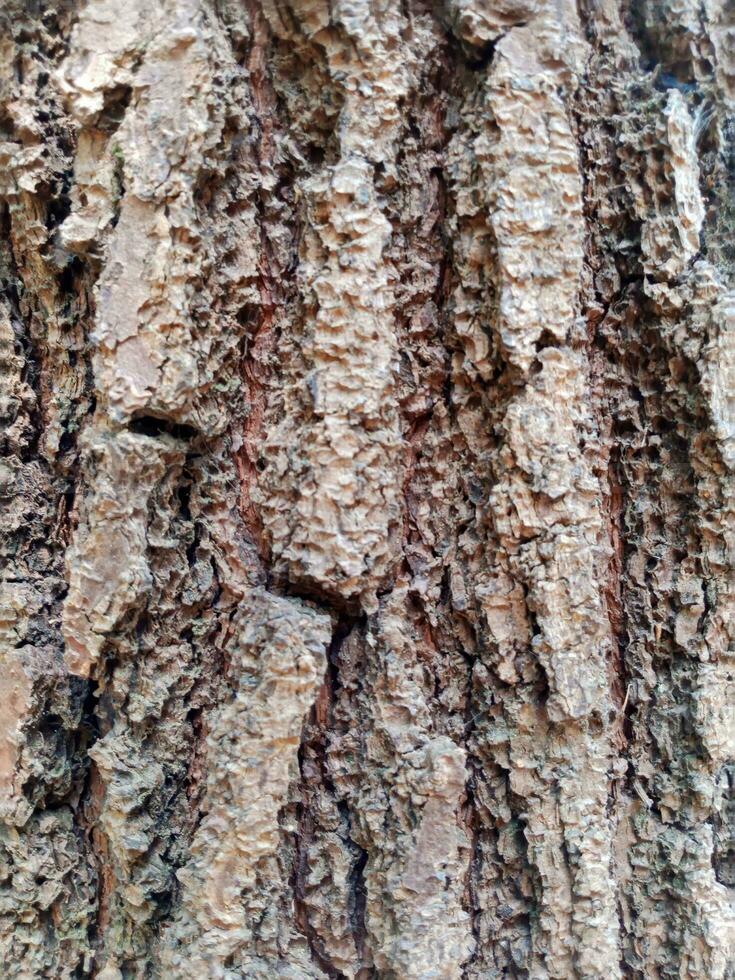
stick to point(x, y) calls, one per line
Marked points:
point(367, 386)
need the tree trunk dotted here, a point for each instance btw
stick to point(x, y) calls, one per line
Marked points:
point(368, 395)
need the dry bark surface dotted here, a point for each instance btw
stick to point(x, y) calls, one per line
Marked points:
point(367, 458)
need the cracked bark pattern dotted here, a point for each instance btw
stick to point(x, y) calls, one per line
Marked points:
point(367, 453)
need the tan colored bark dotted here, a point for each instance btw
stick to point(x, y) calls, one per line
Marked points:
point(366, 383)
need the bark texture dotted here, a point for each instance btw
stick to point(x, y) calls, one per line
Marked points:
point(367, 384)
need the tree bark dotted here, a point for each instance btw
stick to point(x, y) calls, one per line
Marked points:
point(367, 379)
